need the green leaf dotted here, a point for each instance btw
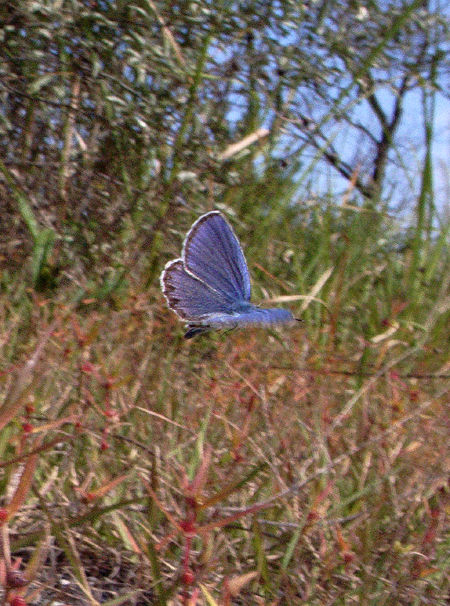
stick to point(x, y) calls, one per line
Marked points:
point(40, 83)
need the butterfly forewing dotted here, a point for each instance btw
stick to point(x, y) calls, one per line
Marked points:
point(212, 253)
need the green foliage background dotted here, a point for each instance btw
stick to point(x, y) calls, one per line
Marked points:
point(303, 466)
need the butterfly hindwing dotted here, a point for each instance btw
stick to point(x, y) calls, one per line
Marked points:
point(190, 298)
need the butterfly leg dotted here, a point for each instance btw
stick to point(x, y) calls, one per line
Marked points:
point(194, 330)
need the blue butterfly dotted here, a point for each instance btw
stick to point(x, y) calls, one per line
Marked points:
point(209, 285)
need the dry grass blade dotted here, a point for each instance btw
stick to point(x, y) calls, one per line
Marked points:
point(23, 486)
point(13, 399)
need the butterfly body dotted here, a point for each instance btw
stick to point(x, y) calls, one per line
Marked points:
point(209, 285)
